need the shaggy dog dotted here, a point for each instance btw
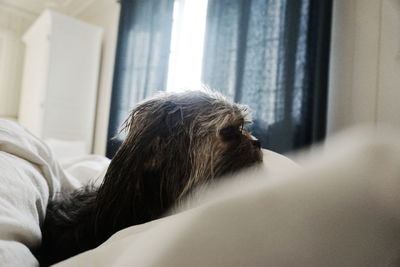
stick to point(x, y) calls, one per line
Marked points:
point(174, 144)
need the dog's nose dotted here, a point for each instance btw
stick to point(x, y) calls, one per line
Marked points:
point(256, 143)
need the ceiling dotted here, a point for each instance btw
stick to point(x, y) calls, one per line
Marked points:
point(35, 7)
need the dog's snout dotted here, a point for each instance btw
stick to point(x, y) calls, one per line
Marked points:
point(256, 143)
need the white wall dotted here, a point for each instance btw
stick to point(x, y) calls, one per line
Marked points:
point(104, 13)
point(12, 25)
point(365, 64)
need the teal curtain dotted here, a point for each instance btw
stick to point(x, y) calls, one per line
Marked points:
point(141, 64)
point(272, 55)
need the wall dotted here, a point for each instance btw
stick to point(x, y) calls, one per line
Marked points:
point(12, 25)
point(365, 64)
point(104, 13)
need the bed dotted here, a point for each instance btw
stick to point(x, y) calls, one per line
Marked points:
point(339, 209)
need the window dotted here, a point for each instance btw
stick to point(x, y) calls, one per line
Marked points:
point(185, 61)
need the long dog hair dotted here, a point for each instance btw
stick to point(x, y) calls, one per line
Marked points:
point(174, 144)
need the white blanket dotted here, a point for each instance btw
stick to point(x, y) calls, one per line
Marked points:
point(29, 174)
point(341, 209)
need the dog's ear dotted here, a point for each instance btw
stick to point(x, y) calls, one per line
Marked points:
point(153, 118)
point(173, 120)
point(139, 182)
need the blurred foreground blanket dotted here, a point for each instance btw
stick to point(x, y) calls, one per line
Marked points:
point(29, 174)
point(341, 209)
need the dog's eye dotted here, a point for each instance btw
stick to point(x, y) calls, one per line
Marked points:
point(231, 132)
point(241, 128)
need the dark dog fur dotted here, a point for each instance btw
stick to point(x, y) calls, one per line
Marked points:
point(175, 143)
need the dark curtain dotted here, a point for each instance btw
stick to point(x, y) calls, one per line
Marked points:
point(273, 56)
point(141, 64)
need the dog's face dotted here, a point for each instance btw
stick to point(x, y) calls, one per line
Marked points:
point(191, 138)
point(175, 143)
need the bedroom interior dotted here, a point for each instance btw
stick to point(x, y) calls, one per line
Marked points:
point(321, 77)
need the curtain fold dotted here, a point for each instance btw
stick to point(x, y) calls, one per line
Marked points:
point(142, 56)
point(273, 56)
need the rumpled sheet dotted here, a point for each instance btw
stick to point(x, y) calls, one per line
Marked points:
point(29, 175)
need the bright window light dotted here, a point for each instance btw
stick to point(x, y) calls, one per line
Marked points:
point(185, 59)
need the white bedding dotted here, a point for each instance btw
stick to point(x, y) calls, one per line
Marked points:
point(72, 157)
point(340, 209)
point(29, 174)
